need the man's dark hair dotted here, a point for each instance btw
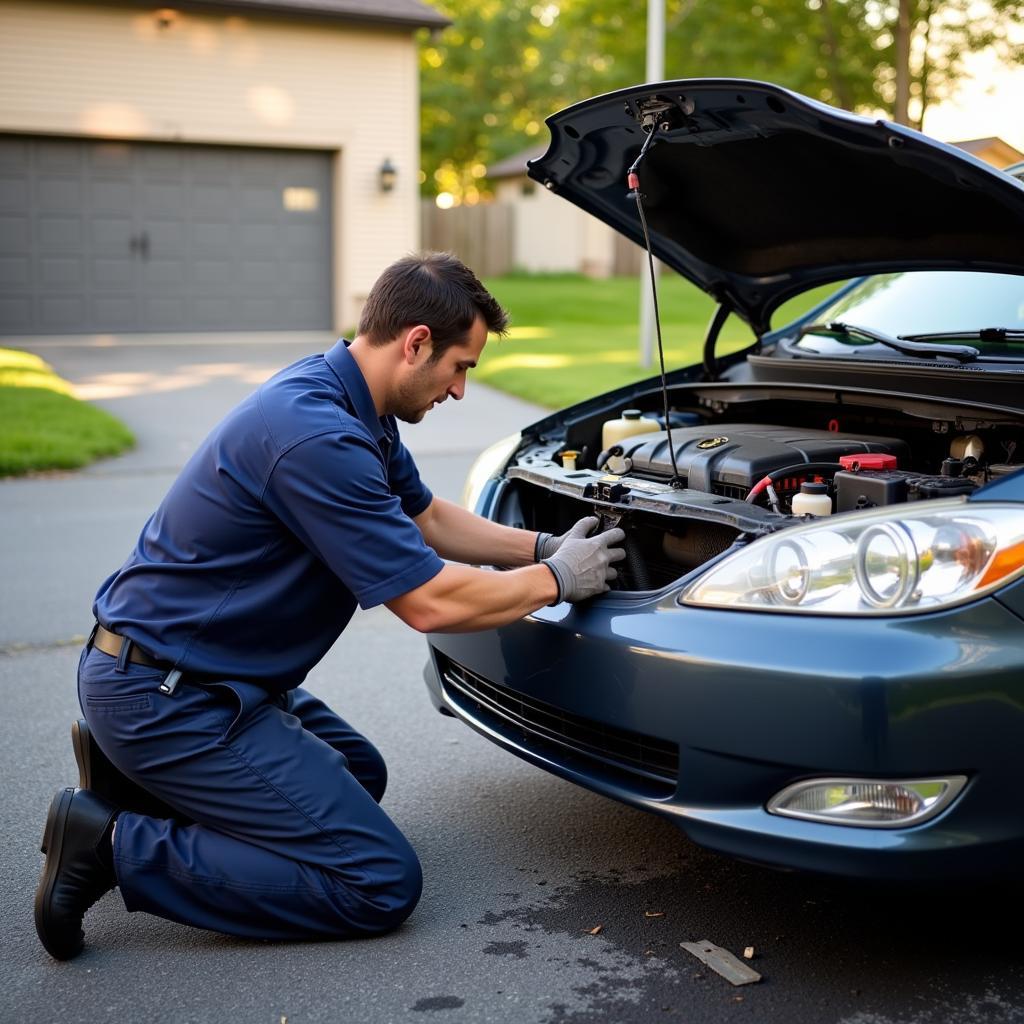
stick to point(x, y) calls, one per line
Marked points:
point(432, 288)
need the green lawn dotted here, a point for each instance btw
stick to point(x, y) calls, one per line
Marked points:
point(42, 424)
point(572, 336)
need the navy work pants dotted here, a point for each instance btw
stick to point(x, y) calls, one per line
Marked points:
point(288, 840)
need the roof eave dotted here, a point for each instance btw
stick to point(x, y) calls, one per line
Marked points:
point(432, 21)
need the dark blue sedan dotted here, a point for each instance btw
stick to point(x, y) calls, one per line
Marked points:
point(813, 656)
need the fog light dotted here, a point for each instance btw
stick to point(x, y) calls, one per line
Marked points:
point(869, 803)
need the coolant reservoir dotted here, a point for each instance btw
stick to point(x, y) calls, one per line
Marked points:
point(631, 422)
point(812, 500)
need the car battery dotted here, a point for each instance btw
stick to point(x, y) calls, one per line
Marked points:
point(872, 488)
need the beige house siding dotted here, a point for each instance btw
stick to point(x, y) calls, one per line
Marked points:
point(117, 72)
point(553, 235)
point(992, 150)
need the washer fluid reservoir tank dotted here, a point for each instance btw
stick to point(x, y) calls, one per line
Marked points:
point(631, 422)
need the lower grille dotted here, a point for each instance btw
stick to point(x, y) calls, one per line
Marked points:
point(644, 763)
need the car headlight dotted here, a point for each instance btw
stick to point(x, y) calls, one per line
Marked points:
point(489, 463)
point(896, 560)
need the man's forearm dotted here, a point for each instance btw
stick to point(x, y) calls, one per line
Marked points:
point(461, 599)
point(460, 536)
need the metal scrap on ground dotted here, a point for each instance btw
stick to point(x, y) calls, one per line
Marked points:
point(722, 962)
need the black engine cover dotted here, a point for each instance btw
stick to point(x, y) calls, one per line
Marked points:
point(737, 455)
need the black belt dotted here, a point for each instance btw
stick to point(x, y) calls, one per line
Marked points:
point(113, 644)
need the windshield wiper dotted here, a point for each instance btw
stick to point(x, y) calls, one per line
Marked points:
point(961, 353)
point(984, 334)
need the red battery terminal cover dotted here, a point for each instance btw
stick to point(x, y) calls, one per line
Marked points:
point(868, 460)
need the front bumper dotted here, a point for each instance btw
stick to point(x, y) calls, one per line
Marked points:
point(754, 702)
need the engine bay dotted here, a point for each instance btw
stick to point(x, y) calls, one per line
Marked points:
point(733, 461)
point(726, 473)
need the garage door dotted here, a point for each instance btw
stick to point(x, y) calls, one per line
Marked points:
point(117, 236)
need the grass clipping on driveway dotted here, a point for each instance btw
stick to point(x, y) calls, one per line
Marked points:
point(42, 424)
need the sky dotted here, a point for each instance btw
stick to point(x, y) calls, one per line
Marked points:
point(991, 102)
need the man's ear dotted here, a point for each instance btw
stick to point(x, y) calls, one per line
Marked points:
point(416, 343)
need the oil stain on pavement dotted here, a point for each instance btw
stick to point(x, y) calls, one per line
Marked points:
point(439, 1003)
point(828, 950)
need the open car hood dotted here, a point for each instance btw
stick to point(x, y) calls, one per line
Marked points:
point(755, 193)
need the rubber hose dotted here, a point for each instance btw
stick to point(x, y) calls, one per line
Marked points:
point(616, 449)
point(797, 469)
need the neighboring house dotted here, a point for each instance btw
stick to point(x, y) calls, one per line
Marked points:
point(243, 164)
point(549, 234)
point(992, 150)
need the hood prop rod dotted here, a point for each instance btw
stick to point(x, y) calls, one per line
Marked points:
point(649, 125)
point(715, 324)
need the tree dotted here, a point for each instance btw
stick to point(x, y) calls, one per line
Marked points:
point(931, 39)
point(489, 80)
point(486, 84)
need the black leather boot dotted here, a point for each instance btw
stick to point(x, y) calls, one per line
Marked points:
point(97, 774)
point(79, 868)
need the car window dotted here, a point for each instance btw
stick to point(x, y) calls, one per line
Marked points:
point(929, 303)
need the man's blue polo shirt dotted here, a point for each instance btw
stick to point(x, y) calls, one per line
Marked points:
point(296, 507)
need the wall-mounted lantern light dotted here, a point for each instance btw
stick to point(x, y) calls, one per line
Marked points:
point(165, 17)
point(387, 175)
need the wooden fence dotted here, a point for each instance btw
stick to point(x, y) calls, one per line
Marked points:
point(481, 236)
point(628, 259)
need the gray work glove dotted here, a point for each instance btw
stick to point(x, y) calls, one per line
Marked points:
point(547, 544)
point(582, 566)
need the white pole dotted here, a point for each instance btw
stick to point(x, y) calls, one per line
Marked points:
point(655, 73)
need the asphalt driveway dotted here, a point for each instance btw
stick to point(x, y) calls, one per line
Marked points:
point(542, 903)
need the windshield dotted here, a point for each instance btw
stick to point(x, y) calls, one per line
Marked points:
point(935, 303)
